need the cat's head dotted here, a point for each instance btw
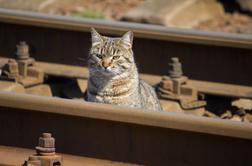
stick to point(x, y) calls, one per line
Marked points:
point(110, 56)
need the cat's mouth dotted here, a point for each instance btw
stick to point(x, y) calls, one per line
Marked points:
point(108, 72)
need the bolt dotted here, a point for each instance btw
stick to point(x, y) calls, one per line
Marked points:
point(46, 141)
point(22, 51)
point(46, 145)
point(175, 68)
point(47, 135)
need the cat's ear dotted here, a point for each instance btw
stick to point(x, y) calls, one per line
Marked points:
point(127, 39)
point(95, 36)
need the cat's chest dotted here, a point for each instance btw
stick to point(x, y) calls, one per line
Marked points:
point(129, 101)
point(122, 96)
point(123, 92)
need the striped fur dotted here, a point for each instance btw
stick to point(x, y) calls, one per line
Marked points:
point(113, 76)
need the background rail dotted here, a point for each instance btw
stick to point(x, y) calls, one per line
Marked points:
point(218, 57)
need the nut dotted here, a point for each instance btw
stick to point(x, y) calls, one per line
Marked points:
point(175, 68)
point(23, 51)
point(46, 145)
point(46, 141)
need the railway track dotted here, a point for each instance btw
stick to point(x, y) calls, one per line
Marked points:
point(124, 134)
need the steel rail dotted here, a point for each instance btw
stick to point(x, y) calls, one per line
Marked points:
point(212, 88)
point(116, 27)
point(128, 115)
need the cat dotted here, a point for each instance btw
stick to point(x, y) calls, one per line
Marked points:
point(113, 75)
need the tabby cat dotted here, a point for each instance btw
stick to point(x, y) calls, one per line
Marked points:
point(113, 75)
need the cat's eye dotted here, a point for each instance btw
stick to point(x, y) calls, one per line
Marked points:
point(116, 57)
point(99, 55)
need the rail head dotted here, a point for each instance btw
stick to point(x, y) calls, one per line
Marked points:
point(117, 28)
point(127, 115)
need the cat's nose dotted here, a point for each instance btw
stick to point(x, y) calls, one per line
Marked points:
point(106, 63)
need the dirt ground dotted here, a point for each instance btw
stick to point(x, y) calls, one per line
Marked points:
point(234, 23)
point(107, 9)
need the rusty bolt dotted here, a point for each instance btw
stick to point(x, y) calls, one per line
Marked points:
point(22, 51)
point(46, 141)
point(175, 68)
point(46, 145)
